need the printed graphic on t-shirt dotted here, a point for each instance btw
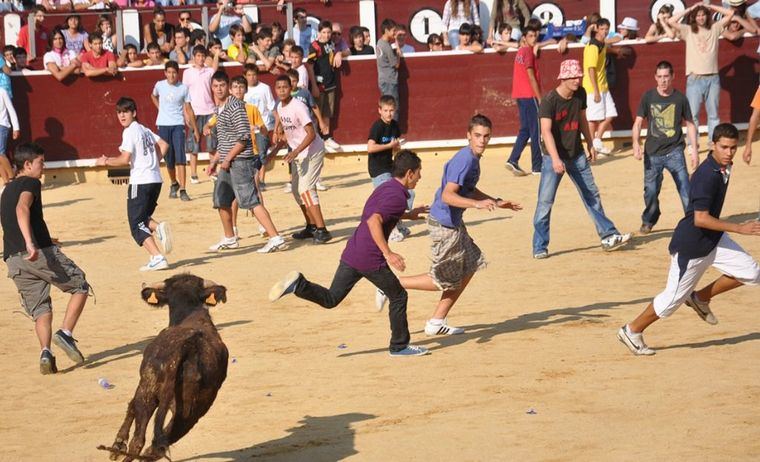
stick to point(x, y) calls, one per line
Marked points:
point(664, 117)
point(149, 145)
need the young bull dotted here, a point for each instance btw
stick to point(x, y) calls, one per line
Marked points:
point(182, 368)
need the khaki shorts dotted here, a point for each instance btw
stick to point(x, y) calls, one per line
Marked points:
point(326, 104)
point(33, 278)
point(304, 176)
point(454, 255)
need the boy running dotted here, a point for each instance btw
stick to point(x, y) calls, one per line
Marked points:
point(138, 151)
point(367, 255)
point(699, 241)
point(35, 262)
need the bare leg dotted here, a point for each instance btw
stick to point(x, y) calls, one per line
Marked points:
point(419, 282)
point(43, 329)
point(149, 244)
point(193, 164)
point(73, 311)
point(718, 286)
point(172, 174)
point(226, 216)
point(306, 215)
point(261, 214)
point(181, 176)
point(644, 320)
point(592, 127)
point(235, 210)
point(153, 224)
point(603, 127)
point(315, 212)
point(449, 297)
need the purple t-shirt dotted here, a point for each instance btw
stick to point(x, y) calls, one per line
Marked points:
point(464, 170)
point(361, 252)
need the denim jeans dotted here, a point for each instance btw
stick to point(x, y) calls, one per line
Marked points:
point(382, 178)
point(529, 129)
point(453, 38)
point(653, 167)
point(705, 88)
point(388, 88)
point(579, 171)
point(345, 279)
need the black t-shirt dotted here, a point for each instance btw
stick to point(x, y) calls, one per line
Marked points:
point(367, 50)
point(707, 191)
point(321, 55)
point(565, 115)
point(664, 115)
point(13, 240)
point(382, 133)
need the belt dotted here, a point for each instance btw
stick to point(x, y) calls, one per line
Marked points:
point(433, 222)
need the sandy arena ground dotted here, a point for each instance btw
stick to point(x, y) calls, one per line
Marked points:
point(540, 335)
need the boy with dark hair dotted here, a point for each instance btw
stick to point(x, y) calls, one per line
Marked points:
point(367, 255)
point(601, 106)
point(321, 56)
point(197, 78)
point(98, 61)
point(388, 62)
point(296, 61)
point(182, 46)
point(172, 99)
point(699, 241)
point(35, 262)
point(455, 256)
point(138, 151)
point(259, 94)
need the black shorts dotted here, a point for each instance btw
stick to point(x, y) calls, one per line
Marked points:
point(141, 203)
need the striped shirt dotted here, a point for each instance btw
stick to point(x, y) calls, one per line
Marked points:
point(232, 127)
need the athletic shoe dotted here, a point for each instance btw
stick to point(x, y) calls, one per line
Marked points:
point(540, 255)
point(321, 186)
point(634, 342)
point(164, 234)
point(183, 195)
point(441, 328)
point(380, 300)
point(194, 180)
point(701, 308)
point(404, 230)
point(306, 233)
point(273, 244)
point(410, 350)
point(322, 236)
point(333, 145)
point(396, 235)
point(615, 241)
point(173, 190)
point(156, 263)
point(225, 244)
point(284, 287)
point(288, 188)
point(68, 344)
point(645, 229)
point(535, 173)
point(47, 363)
point(515, 169)
point(262, 230)
point(599, 146)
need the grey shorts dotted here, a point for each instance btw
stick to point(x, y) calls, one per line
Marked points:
point(191, 146)
point(237, 183)
point(33, 278)
point(454, 255)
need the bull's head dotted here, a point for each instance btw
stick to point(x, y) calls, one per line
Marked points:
point(186, 289)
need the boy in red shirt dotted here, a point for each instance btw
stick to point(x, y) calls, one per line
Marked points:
point(98, 61)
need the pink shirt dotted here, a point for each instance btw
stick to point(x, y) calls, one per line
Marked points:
point(294, 117)
point(198, 81)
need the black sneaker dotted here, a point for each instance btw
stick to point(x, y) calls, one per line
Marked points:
point(305, 233)
point(68, 345)
point(47, 363)
point(183, 195)
point(322, 236)
point(173, 190)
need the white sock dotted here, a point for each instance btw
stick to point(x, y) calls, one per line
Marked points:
point(46, 349)
point(436, 321)
point(67, 332)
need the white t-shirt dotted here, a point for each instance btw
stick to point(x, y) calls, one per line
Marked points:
point(261, 97)
point(303, 77)
point(140, 142)
point(294, 117)
point(60, 59)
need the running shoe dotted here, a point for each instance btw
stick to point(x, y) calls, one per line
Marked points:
point(47, 363)
point(183, 196)
point(288, 188)
point(306, 233)
point(410, 350)
point(69, 345)
point(615, 241)
point(156, 263)
point(322, 236)
point(284, 287)
point(333, 145)
point(634, 342)
point(173, 190)
point(194, 180)
point(164, 234)
point(380, 300)
point(441, 328)
point(515, 169)
point(225, 244)
point(701, 308)
point(600, 147)
point(273, 244)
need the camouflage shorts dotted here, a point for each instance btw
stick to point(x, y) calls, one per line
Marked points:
point(454, 255)
point(33, 278)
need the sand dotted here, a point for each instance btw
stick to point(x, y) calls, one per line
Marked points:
point(540, 335)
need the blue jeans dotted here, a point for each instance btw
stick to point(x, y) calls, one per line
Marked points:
point(382, 178)
point(454, 38)
point(529, 129)
point(653, 167)
point(388, 88)
point(705, 88)
point(579, 171)
point(262, 145)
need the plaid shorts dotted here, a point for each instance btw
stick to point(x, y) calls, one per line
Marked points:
point(454, 255)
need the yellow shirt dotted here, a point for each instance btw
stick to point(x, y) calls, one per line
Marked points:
point(592, 57)
point(254, 120)
point(233, 51)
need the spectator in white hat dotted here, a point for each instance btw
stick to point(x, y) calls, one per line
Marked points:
point(741, 23)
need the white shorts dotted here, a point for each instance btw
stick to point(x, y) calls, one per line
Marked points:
point(596, 112)
point(727, 257)
point(304, 177)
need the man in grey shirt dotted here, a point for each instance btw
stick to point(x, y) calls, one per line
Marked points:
point(388, 61)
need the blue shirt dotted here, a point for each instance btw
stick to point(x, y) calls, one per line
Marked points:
point(464, 170)
point(5, 80)
point(171, 101)
point(707, 191)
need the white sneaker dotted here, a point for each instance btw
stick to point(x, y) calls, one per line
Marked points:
point(441, 328)
point(288, 188)
point(380, 300)
point(284, 287)
point(194, 180)
point(701, 308)
point(273, 244)
point(225, 244)
point(599, 146)
point(615, 241)
point(164, 234)
point(333, 145)
point(321, 186)
point(396, 236)
point(156, 263)
point(405, 231)
point(634, 342)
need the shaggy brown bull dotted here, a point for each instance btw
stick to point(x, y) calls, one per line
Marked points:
point(182, 368)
